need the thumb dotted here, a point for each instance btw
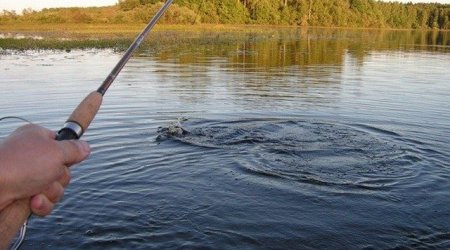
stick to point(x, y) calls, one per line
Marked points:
point(74, 151)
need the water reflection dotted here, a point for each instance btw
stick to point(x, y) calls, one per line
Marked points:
point(272, 68)
point(298, 47)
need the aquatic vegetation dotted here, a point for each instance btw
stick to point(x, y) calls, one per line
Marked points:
point(61, 44)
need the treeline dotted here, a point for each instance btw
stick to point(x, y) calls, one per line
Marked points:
point(330, 13)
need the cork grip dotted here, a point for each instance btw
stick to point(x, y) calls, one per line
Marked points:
point(12, 218)
point(86, 110)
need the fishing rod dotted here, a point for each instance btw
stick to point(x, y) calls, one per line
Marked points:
point(17, 213)
point(82, 116)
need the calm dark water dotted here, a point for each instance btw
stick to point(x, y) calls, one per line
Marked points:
point(294, 139)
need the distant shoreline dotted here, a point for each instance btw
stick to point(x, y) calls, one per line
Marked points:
point(119, 37)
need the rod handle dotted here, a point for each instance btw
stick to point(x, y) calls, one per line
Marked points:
point(12, 218)
point(81, 117)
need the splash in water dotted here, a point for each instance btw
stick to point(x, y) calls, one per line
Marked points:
point(173, 129)
point(315, 152)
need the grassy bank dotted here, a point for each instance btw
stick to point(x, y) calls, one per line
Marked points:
point(116, 36)
point(114, 30)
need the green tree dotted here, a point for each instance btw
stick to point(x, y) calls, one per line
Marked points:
point(231, 11)
point(265, 12)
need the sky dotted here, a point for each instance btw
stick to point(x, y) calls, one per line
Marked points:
point(19, 5)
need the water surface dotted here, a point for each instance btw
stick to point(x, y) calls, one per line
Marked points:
point(294, 139)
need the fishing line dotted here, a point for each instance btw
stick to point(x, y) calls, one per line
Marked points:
point(21, 236)
point(23, 230)
point(15, 117)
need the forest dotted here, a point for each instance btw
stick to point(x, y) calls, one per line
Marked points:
point(320, 13)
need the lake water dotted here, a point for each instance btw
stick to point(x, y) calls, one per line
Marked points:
point(295, 139)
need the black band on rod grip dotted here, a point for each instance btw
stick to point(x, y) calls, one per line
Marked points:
point(66, 134)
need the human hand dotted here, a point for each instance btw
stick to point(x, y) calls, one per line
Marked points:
point(34, 165)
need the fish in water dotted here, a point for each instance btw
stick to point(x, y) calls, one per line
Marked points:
point(173, 129)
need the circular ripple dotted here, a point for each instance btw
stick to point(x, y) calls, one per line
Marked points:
point(307, 151)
